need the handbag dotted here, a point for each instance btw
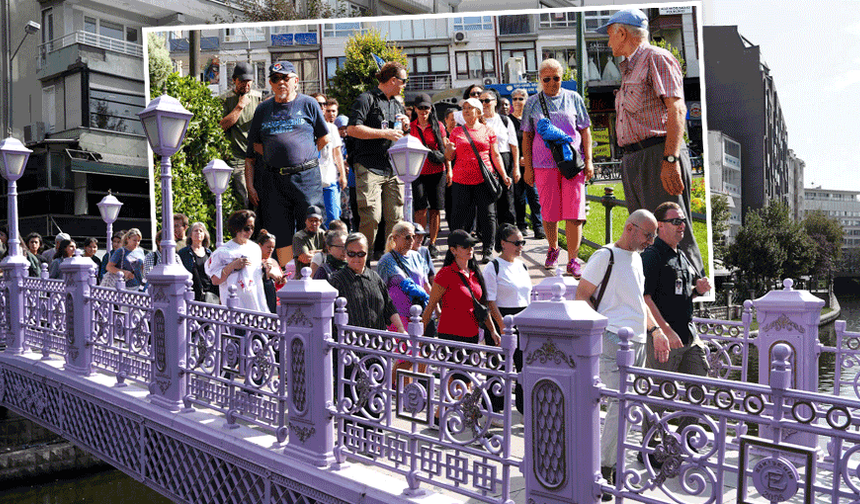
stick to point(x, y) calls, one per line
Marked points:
point(482, 311)
point(435, 155)
point(110, 279)
point(491, 182)
point(568, 168)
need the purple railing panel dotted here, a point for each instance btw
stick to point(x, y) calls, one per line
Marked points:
point(846, 379)
point(45, 316)
point(388, 422)
point(234, 364)
point(122, 337)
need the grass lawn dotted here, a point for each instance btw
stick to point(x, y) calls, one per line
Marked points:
point(595, 226)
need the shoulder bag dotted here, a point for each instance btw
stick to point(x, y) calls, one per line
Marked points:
point(482, 311)
point(435, 156)
point(595, 300)
point(494, 186)
point(110, 279)
point(568, 168)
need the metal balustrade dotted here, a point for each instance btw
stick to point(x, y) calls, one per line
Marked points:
point(121, 335)
point(90, 39)
point(45, 316)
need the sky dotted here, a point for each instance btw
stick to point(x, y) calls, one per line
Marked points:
point(814, 57)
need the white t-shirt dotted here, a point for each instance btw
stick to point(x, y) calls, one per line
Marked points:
point(512, 287)
point(505, 136)
point(623, 302)
point(248, 280)
point(328, 170)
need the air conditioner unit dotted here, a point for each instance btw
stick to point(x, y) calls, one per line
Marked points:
point(34, 133)
point(460, 37)
point(489, 80)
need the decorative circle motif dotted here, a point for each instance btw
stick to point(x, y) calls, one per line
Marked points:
point(642, 385)
point(776, 479)
point(668, 390)
point(696, 394)
point(723, 399)
point(414, 398)
point(754, 404)
point(803, 416)
point(831, 417)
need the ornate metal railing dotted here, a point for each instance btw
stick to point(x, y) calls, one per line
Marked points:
point(45, 316)
point(235, 364)
point(846, 357)
point(391, 389)
point(728, 345)
point(121, 334)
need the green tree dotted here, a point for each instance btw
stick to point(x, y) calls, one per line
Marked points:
point(662, 43)
point(826, 234)
point(160, 65)
point(204, 141)
point(719, 216)
point(257, 11)
point(356, 75)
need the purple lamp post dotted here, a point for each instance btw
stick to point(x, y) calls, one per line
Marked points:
point(218, 174)
point(407, 156)
point(109, 208)
point(165, 121)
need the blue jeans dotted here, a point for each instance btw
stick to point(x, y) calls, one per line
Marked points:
point(331, 197)
point(285, 201)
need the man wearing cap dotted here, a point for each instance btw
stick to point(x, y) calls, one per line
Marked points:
point(48, 255)
point(239, 106)
point(288, 131)
point(650, 122)
point(309, 240)
point(372, 124)
point(332, 169)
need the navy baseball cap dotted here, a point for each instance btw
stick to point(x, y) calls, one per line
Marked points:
point(631, 17)
point(282, 67)
point(341, 121)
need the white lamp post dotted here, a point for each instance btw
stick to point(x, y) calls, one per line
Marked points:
point(13, 160)
point(109, 208)
point(165, 121)
point(407, 156)
point(218, 174)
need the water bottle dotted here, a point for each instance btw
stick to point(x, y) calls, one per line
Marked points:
point(398, 125)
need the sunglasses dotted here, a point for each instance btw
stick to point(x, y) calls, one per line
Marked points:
point(475, 93)
point(248, 229)
point(352, 253)
point(518, 98)
point(677, 221)
point(487, 100)
point(280, 77)
point(547, 79)
point(518, 243)
point(404, 81)
point(423, 108)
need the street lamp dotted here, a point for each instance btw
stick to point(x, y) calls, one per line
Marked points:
point(165, 121)
point(109, 208)
point(407, 156)
point(13, 160)
point(218, 174)
point(30, 28)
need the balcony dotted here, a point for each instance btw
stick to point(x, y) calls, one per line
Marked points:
point(429, 82)
point(89, 39)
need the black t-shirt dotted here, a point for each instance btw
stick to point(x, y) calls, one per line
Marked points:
point(664, 270)
point(288, 131)
point(373, 109)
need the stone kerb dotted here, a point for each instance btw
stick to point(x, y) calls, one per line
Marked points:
point(561, 343)
point(306, 310)
point(78, 275)
point(790, 317)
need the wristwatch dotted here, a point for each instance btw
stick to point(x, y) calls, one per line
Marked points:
point(653, 330)
point(670, 159)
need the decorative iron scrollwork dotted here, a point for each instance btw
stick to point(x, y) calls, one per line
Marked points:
point(548, 352)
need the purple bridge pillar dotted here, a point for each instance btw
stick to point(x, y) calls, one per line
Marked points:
point(78, 275)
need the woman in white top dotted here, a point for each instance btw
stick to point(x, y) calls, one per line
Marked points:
point(508, 146)
point(509, 289)
point(239, 263)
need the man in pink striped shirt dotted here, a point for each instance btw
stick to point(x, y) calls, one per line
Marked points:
point(650, 122)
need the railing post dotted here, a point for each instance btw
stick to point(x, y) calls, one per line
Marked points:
point(306, 311)
point(78, 273)
point(167, 287)
point(561, 343)
point(790, 317)
point(608, 202)
point(14, 270)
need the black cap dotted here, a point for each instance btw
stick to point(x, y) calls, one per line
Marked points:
point(243, 71)
point(422, 100)
point(461, 238)
point(314, 211)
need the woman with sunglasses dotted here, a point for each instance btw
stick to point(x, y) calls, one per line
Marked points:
point(428, 190)
point(508, 147)
point(524, 193)
point(402, 270)
point(239, 263)
point(509, 288)
point(560, 199)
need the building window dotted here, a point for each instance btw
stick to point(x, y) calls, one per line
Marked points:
point(342, 29)
point(110, 29)
point(472, 23)
point(525, 50)
point(332, 64)
point(47, 25)
point(425, 60)
point(414, 29)
point(308, 68)
point(475, 64)
point(245, 34)
point(514, 25)
point(558, 20)
point(115, 111)
point(596, 19)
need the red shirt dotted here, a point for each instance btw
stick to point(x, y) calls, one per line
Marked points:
point(429, 142)
point(466, 170)
point(458, 312)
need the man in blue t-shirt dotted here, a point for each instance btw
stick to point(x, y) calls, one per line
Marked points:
point(288, 131)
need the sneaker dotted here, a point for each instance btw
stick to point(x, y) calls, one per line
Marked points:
point(552, 257)
point(608, 474)
point(574, 269)
point(539, 234)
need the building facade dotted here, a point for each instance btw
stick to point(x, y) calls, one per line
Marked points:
point(725, 167)
point(844, 206)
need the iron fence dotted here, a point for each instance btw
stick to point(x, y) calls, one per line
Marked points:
point(121, 335)
point(45, 316)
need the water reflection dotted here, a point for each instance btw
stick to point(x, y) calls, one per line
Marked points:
point(99, 487)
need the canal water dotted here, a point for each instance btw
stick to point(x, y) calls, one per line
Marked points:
point(115, 487)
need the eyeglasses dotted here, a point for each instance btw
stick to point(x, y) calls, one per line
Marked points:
point(488, 100)
point(404, 81)
point(352, 253)
point(518, 243)
point(248, 229)
point(475, 93)
point(650, 236)
point(547, 79)
point(280, 77)
point(423, 108)
point(518, 98)
point(677, 221)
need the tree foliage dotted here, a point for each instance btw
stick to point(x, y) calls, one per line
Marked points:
point(160, 65)
point(770, 247)
point(257, 11)
point(719, 217)
point(356, 75)
point(204, 141)
point(826, 234)
point(662, 43)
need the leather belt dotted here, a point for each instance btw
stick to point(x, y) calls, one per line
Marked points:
point(644, 144)
point(290, 170)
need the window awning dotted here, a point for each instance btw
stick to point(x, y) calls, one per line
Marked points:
point(101, 168)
